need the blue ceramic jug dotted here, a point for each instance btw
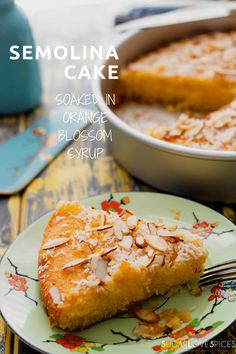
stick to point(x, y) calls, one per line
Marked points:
point(20, 83)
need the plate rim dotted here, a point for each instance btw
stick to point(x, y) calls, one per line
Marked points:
point(100, 196)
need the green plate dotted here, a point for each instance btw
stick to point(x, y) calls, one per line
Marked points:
point(212, 312)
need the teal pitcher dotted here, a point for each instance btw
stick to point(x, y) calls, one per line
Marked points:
point(20, 83)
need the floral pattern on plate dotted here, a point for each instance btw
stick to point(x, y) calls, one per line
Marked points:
point(19, 282)
point(171, 339)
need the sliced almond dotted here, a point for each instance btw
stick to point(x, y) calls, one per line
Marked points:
point(165, 233)
point(127, 242)
point(181, 235)
point(132, 222)
point(108, 251)
point(150, 252)
point(174, 255)
point(145, 261)
point(167, 260)
point(208, 135)
point(172, 239)
point(152, 228)
point(102, 228)
point(93, 242)
point(171, 236)
point(118, 230)
point(124, 227)
point(109, 233)
point(101, 269)
point(156, 242)
point(85, 245)
point(94, 282)
point(76, 262)
point(94, 260)
point(159, 259)
point(198, 126)
point(121, 213)
point(146, 315)
point(103, 219)
point(175, 132)
point(227, 135)
point(129, 212)
point(140, 242)
point(54, 243)
point(143, 229)
point(55, 294)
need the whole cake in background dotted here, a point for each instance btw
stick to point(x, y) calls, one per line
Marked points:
point(195, 76)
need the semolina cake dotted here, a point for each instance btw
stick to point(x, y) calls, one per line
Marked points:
point(93, 263)
point(217, 131)
point(212, 131)
point(197, 73)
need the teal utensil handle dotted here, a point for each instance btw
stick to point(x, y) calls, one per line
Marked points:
point(23, 156)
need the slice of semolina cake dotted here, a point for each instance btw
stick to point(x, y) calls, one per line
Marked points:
point(93, 264)
point(197, 73)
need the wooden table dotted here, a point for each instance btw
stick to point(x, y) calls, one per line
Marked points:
point(66, 179)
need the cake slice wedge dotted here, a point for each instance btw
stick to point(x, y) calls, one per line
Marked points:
point(93, 264)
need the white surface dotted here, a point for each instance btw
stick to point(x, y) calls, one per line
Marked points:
point(30, 6)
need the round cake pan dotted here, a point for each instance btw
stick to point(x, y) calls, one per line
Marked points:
point(195, 173)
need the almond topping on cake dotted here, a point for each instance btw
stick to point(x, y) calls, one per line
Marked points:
point(170, 236)
point(54, 292)
point(99, 267)
point(76, 262)
point(132, 222)
point(118, 229)
point(140, 242)
point(54, 243)
point(122, 213)
point(108, 251)
point(152, 228)
point(146, 261)
point(93, 242)
point(156, 242)
point(103, 228)
point(127, 242)
point(124, 227)
point(150, 251)
point(159, 259)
